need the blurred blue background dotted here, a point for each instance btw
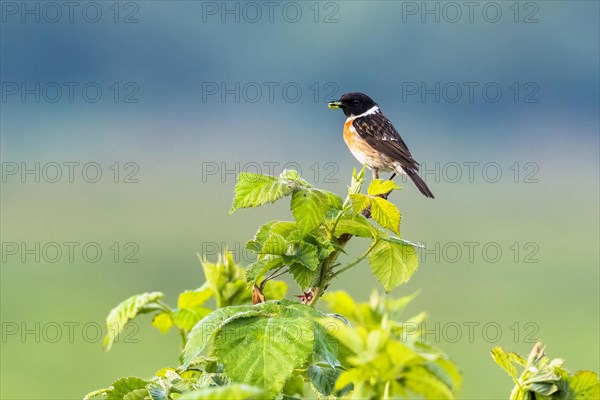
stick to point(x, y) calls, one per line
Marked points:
point(183, 94)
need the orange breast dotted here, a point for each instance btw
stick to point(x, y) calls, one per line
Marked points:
point(364, 153)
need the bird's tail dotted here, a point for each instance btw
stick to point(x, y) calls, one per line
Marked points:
point(420, 184)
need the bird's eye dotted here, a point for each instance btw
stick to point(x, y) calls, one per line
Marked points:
point(355, 101)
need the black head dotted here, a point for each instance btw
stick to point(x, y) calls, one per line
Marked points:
point(353, 103)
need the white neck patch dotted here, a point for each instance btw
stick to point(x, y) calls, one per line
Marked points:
point(370, 111)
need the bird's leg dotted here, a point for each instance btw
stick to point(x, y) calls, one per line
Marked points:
point(375, 172)
point(392, 177)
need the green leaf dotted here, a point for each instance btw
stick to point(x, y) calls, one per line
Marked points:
point(186, 318)
point(515, 358)
point(293, 176)
point(378, 187)
point(393, 263)
point(126, 311)
point(386, 214)
point(162, 322)
point(274, 245)
point(234, 391)
point(194, 298)
point(503, 360)
point(202, 335)
point(309, 207)
point(264, 350)
point(421, 382)
point(283, 228)
point(128, 388)
point(360, 202)
point(254, 190)
point(96, 393)
point(357, 181)
point(303, 253)
point(226, 280)
point(257, 269)
point(584, 385)
point(334, 200)
point(357, 225)
point(323, 378)
point(302, 275)
point(326, 346)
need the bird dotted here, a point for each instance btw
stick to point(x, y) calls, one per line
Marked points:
point(374, 141)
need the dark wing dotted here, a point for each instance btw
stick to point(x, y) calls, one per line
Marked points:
point(381, 135)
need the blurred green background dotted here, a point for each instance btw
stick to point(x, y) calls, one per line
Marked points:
point(166, 118)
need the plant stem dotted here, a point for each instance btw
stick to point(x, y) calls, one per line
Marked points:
point(358, 260)
point(325, 270)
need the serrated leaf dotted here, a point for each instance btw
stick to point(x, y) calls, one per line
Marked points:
point(303, 253)
point(378, 187)
point(385, 214)
point(124, 312)
point(130, 388)
point(503, 360)
point(360, 202)
point(202, 335)
point(234, 391)
point(393, 263)
point(187, 318)
point(309, 208)
point(584, 385)
point(302, 275)
point(255, 190)
point(333, 200)
point(162, 322)
point(264, 350)
point(283, 228)
point(274, 245)
point(323, 378)
point(257, 269)
point(358, 225)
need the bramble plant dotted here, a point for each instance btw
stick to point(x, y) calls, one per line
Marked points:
point(544, 379)
point(256, 344)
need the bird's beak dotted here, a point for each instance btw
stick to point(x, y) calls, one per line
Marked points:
point(334, 104)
